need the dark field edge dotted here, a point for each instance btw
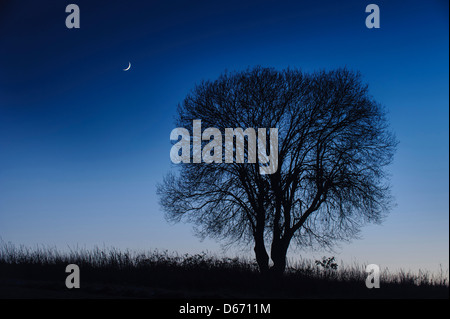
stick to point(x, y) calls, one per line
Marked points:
point(48, 282)
point(113, 274)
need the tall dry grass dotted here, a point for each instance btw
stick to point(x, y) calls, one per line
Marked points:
point(208, 272)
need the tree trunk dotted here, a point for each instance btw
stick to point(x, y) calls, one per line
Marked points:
point(262, 258)
point(278, 255)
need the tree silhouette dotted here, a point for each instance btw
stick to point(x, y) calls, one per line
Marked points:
point(333, 146)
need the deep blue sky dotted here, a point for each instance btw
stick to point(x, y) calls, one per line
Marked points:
point(83, 143)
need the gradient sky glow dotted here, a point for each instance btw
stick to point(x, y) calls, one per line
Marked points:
point(83, 143)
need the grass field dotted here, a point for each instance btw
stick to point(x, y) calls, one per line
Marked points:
point(111, 273)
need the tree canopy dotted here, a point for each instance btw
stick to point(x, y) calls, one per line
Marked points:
point(334, 144)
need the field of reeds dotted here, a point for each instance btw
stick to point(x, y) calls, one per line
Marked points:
point(111, 273)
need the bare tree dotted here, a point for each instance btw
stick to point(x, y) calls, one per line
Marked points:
point(334, 145)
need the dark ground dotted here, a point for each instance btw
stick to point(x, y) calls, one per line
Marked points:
point(111, 273)
point(34, 281)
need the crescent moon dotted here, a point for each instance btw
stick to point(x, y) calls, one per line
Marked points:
point(129, 66)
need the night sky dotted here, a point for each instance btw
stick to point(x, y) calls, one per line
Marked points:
point(84, 143)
